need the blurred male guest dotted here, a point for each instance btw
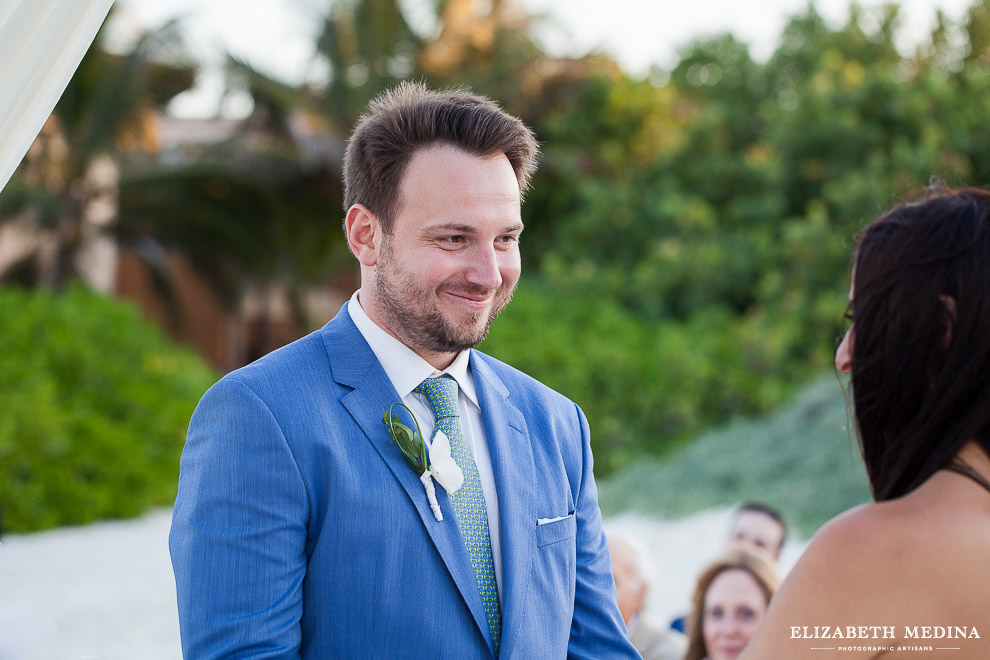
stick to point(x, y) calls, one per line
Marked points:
point(757, 526)
point(632, 588)
point(300, 529)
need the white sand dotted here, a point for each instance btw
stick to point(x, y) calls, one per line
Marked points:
point(101, 591)
point(106, 591)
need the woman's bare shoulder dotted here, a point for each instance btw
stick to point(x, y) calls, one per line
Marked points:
point(916, 559)
point(851, 552)
point(878, 550)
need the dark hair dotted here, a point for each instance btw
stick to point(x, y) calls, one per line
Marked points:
point(921, 348)
point(770, 512)
point(410, 117)
point(756, 563)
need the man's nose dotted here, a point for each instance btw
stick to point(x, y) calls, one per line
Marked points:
point(484, 270)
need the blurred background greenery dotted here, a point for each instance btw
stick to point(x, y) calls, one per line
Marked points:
point(686, 252)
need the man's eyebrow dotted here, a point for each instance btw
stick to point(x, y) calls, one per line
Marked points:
point(452, 227)
point(458, 228)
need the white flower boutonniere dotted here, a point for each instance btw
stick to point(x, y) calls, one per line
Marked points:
point(437, 464)
point(442, 465)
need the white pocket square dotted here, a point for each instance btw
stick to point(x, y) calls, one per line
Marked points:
point(546, 521)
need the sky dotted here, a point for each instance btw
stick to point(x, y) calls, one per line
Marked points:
point(276, 36)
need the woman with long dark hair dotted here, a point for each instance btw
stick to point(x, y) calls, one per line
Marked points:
point(909, 572)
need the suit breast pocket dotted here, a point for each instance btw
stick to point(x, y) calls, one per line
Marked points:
point(550, 531)
point(552, 582)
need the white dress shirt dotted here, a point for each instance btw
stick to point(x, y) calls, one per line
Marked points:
point(406, 370)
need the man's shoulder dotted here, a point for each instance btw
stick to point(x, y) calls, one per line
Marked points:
point(305, 357)
point(293, 371)
point(288, 358)
point(516, 381)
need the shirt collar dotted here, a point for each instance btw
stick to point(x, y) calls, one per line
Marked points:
point(404, 368)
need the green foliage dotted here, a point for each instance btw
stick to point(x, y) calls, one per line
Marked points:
point(690, 236)
point(802, 460)
point(94, 408)
point(646, 386)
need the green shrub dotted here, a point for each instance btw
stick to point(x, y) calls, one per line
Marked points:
point(647, 386)
point(94, 403)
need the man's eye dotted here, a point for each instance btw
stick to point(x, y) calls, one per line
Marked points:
point(452, 240)
point(508, 239)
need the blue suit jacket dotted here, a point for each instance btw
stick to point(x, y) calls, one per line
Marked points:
point(300, 531)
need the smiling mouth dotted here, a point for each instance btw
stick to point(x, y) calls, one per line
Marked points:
point(473, 301)
point(478, 298)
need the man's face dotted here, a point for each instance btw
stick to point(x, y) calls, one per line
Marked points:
point(452, 260)
point(757, 530)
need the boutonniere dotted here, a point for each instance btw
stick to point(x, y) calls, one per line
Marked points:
point(437, 463)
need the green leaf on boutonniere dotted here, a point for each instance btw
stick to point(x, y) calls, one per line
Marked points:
point(410, 441)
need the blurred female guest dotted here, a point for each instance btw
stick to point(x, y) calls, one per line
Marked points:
point(910, 570)
point(729, 602)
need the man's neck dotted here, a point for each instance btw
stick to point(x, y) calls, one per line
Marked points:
point(437, 360)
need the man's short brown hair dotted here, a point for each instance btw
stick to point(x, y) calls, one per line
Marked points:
point(410, 117)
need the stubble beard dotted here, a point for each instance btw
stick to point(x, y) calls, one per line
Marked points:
point(413, 313)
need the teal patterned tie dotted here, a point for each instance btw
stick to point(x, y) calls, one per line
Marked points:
point(469, 500)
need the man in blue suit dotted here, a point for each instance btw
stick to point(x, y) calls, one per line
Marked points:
point(299, 528)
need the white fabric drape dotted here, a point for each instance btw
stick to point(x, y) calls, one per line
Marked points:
point(41, 44)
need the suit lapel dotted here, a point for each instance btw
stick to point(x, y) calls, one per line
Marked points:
point(514, 472)
point(354, 365)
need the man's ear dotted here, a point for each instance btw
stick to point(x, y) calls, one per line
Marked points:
point(364, 232)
